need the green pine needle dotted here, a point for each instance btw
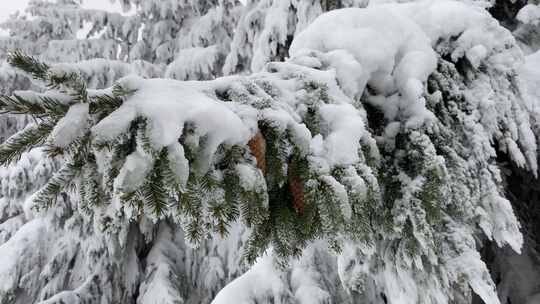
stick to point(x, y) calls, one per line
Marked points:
point(28, 64)
point(61, 180)
point(104, 105)
point(155, 192)
point(23, 141)
point(18, 105)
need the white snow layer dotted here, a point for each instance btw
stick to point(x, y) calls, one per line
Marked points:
point(168, 105)
point(389, 47)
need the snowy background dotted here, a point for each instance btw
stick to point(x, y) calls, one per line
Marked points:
point(8, 7)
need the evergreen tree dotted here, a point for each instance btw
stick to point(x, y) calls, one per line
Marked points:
point(59, 38)
point(357, 170)
point(386, 173)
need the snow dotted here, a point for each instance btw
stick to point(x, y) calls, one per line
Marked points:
point(384, 53)
point(477, 275)
point(169, 112)
point(8, 8)
point(72, 126)
point(345, 130)
point(134, 172)
point(400, 55)
point(341, 195)
point(260, 282)
point(529, 14)
point(163, 266)
point(115, 124)
point(169, 105)
point(20, 254)
point(530, 75)
point(248, 176)
point(476, 55)
point(179, 164)
point(194, 63)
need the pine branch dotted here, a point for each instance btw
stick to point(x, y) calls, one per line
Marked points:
point(224, 207)
point(154, 193)
point(29, 64)
point(104, 105)
point(23, 141)
point(18, 105)
point(47, 196)
point(80, 148)
point(90, 190)
point(40, 70)
point(120, 91)
point(71, 80)
point(191, 205)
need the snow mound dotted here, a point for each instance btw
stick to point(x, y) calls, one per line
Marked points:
point(396, 53)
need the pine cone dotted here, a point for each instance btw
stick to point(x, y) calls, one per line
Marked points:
point(257, 146)
point(297, 190)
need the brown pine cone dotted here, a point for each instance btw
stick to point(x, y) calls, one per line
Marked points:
point(257, 146)
point(297, 190)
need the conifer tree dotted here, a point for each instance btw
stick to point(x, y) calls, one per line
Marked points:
point(396, 179)
point(62, 37)
point(343, 176)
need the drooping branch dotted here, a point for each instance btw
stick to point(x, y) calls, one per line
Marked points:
point(333, 144)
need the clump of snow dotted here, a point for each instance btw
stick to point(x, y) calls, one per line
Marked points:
point(179, 164)
point(399, 57)
point(115, 124)
point(168, 112)
point(71, 126)
point(261, 282)
point(476, 54)
point(134, 171)
point(396, 53)
point(529, 14)
point(346, 127)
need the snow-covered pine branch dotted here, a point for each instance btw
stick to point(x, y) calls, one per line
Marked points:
point(380, 147)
